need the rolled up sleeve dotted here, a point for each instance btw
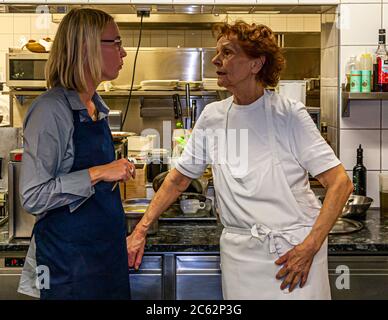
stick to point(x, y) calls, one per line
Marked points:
point(309, 148)
point(42, 184)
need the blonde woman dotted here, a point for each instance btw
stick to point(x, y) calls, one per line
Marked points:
point(78, 247)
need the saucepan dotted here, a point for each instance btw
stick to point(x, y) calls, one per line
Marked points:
point(355, 207)
point(134, 210)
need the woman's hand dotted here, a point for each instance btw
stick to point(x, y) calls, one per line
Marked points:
point(296, 264)
point(118, 170)
point(135, 248)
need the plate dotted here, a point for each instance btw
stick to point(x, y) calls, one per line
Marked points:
point(159, 83)
point(343, 226)
point(125, 87)
point(123, 134)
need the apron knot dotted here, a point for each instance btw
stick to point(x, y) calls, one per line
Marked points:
point(261, 232)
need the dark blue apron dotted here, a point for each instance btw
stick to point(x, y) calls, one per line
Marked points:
point(85, 250)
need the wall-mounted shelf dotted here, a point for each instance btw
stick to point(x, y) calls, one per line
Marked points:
point(121, 93)
point(348, 96)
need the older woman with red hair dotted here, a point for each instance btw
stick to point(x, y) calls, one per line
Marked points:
point(274, 242)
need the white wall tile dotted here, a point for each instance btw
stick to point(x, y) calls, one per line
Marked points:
point(17, 38)
point(193, 1)
point(277, 2)
point(6, 23)
point(361, 1)
point(22, 23)
point(244, 17)
point(193, 38)
point(372, 187)
point(319, 1)
point(359, 23)
point(384, 150)
point(384, 114)
point(6, 41)
point(261, 19)
point(176, 38)
point(40, 23)
point(295, 23)
point(145, 38)
point(370, 141)
point(330, 30)
point(235, 1)
point(347, 51)
point(363, 114)
point(159, 38)
point(208, 40)
point(2, 66)
point(385, 18)
point(312, 23)
point(278, 23)
point(152, 1)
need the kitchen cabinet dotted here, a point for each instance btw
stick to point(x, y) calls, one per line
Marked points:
point(147, 282)
point(358, 277)
point(198, 278)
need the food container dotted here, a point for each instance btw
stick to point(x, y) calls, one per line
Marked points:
point(134, 210)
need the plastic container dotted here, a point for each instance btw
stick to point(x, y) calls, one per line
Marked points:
point(355, 81)
point(366, 76)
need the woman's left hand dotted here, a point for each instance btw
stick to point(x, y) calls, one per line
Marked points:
point(296, 265)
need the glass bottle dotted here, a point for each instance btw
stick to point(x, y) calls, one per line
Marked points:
point(381, 66)
point(359, 175)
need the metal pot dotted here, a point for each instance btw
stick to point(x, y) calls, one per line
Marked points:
point(355, 207)
point(134, 210)
point(196, 185)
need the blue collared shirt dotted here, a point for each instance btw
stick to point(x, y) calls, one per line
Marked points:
point(45, 181)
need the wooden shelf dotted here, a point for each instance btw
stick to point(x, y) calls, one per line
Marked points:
point(348, 96)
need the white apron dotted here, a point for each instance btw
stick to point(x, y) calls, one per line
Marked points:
point(248, 255)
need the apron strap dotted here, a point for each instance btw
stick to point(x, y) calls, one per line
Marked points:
point(270, 127)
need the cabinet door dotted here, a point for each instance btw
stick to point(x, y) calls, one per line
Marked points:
point(358, 277)
point(9, 282)
point(146, 283)
point(198, 278)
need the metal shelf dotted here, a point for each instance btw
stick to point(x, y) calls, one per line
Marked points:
point(348, 96)
point(121, 93)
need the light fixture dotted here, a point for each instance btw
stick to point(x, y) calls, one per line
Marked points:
point(267, 12)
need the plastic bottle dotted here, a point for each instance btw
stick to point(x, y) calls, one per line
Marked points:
point(350, 65)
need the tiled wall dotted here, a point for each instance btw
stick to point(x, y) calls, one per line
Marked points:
point(329, 75)
point(368, 121)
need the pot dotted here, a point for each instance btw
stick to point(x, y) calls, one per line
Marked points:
point(196, 186)
point(355, 207)
point(134, 210)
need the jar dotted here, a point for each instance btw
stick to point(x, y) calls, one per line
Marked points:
point(157, 162)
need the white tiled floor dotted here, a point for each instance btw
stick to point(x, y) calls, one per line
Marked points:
point(359, 23)
point(363, 114)
point(370, 141)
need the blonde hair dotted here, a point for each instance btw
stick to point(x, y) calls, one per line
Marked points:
point(76, 45)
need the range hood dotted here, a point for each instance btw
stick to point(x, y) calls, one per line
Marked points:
point(164, 9)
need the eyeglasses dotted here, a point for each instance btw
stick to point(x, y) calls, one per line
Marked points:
point(117, 42)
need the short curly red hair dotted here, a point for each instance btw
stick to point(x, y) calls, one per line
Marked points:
point(256, 40)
